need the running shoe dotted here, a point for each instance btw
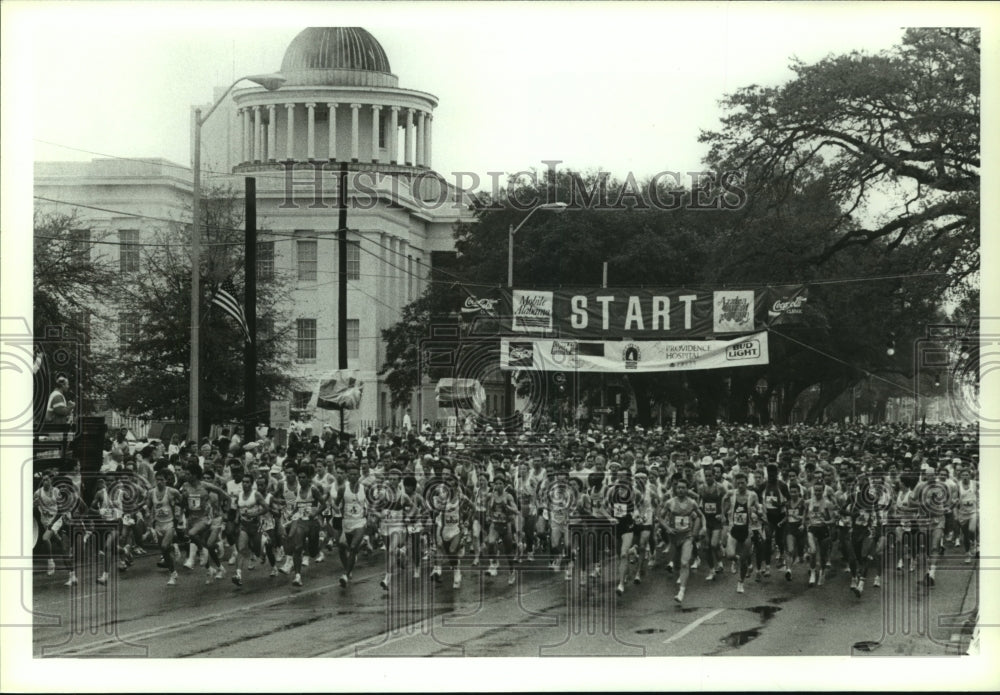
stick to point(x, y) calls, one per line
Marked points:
point(531, 556)
point(710, 577)
point(696, 564)
point(103, 579)
point(287, 566)
point(739, 587)
point(51, 567)
point(732, 567)
point(788, 575)
point(968, 559)
point(680, 595)
point(220, 573)
point(513, 577)
point(251, 563)
point(385, 582)
point(343, 580)
point(297, 581)
point(189, 563)
point(596, 572)
point(638, 578)
point(416, 573)
point(305, 560)
point(492, 571)
point(854, 587)
point(930, 579)
point(860, 588)
point(232, 559)
point(457, 583)
point(436, 573)
point(877, 582)
point(72, 579)
point(670, 567)
point(620, 589)
point(820, 576)
point(320, 557)
point(274, 572)
point(767, 570)
point(899, 565)
point(237, 580)
point(812, 577)
point(756, 576)
point(172, 581)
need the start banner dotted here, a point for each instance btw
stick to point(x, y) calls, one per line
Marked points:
point(633, 355)
point(638, 313)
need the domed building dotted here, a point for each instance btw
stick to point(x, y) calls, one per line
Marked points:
point(340, 102)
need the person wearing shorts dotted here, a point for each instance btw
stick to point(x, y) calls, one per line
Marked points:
point(712, 494)
point(161, 503)
point(501, 510)
point(393, 502)
point(819, 518)
point(352, 503)
point(794, 528)
point(50, 520)
point(619, 503)
point(647, 502)
point(195, 501)
point(737, 508)
point(250, 508)
point(682, 520)
point(967, 512)
point(454, 510)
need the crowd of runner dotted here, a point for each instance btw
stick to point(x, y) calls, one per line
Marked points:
point(795, 501)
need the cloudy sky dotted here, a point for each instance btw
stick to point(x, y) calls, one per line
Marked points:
point(621, 88)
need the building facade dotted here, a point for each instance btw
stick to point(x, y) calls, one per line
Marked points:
point(339, 103)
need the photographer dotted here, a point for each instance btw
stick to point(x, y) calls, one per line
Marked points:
point(59, 409)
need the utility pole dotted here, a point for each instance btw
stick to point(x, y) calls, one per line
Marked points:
point(250, 310)
point(342, 278)
point(604, 285)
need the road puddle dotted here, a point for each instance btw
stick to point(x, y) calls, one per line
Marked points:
point(649, 630)
point(765, 612)
point(741, 637)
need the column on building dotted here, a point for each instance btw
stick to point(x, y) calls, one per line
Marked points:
point(290, 131)
point(244, 131)
point(311, 131)
point(394, 134)
point(429, 140)
point(421, 141)
point(408, 142)
point(332, 105)
point(258, 133)
point(375, 132)
point(354, 131)
point(272, 132)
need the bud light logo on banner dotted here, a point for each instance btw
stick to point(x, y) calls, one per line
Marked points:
point(747, 350)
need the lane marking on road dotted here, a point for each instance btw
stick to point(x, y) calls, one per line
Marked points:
point(194, 622)
point(692, 625)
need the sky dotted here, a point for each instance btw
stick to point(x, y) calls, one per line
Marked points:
point(623, 88)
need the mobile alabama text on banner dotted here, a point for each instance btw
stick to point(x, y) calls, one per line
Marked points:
point(643, 313)
point(633, 355)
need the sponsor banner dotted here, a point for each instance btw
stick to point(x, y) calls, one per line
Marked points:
point(634, 355)
point(646, 313)
point(786, 304)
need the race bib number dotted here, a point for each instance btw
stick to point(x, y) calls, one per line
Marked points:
point(194, 502)
point(620, 509)
point(413, 527)
point(682, 523)
point(267, 524)
point(451, 518)
point(968, 506)
point(710, 508)
point(740, 518)
point(354, 510)
point(771, 502)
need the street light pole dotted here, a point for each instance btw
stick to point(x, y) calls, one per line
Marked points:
point(270, 83)
point(511, 233)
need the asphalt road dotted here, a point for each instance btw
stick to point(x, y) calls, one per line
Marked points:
point(541, 614)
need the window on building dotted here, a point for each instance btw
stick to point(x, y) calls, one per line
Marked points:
point(129, 250)
point(305, 330)
point(265, 329)
point(353, 260)
point(265, 261)
point(353, 338)
point(80, 243)
point(306, 256)
point(300, 399)
point(128, 330)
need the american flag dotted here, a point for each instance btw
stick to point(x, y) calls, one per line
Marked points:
point(225, 299)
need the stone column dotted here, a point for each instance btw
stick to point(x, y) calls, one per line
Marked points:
point(421, 138)
point(408, 144)
point(375, 128)
point(272, 132)
point(290, 132)
point(244, 134)
point(311, 131)
point(333, 129)
point(393, 140)
point(428, 140)
point(354, 131)
point(258, 134)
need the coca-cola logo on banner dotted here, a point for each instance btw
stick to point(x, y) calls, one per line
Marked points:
point(787, 305)
point(480, 304)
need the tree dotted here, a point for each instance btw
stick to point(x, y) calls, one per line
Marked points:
point(154, 369)
point(74, 286)
point(903, 124)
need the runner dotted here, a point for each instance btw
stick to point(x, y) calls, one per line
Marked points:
point(774, 496)
point(794, 528)
point(452, 506)
point(251, 507)
point(417, 520)
point(619, 502)
point(683, 523)
point(647, 502)
point(967, 513)
point(108, 507)
point(819, 518)
point(163, 503)
point(501, 510)
point(712, 494)
point(46, 504)
point(392, 504)
point(352, 504)
point(736, 511)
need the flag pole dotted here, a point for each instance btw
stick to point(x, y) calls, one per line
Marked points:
point(342, 278)
point(250, 310)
